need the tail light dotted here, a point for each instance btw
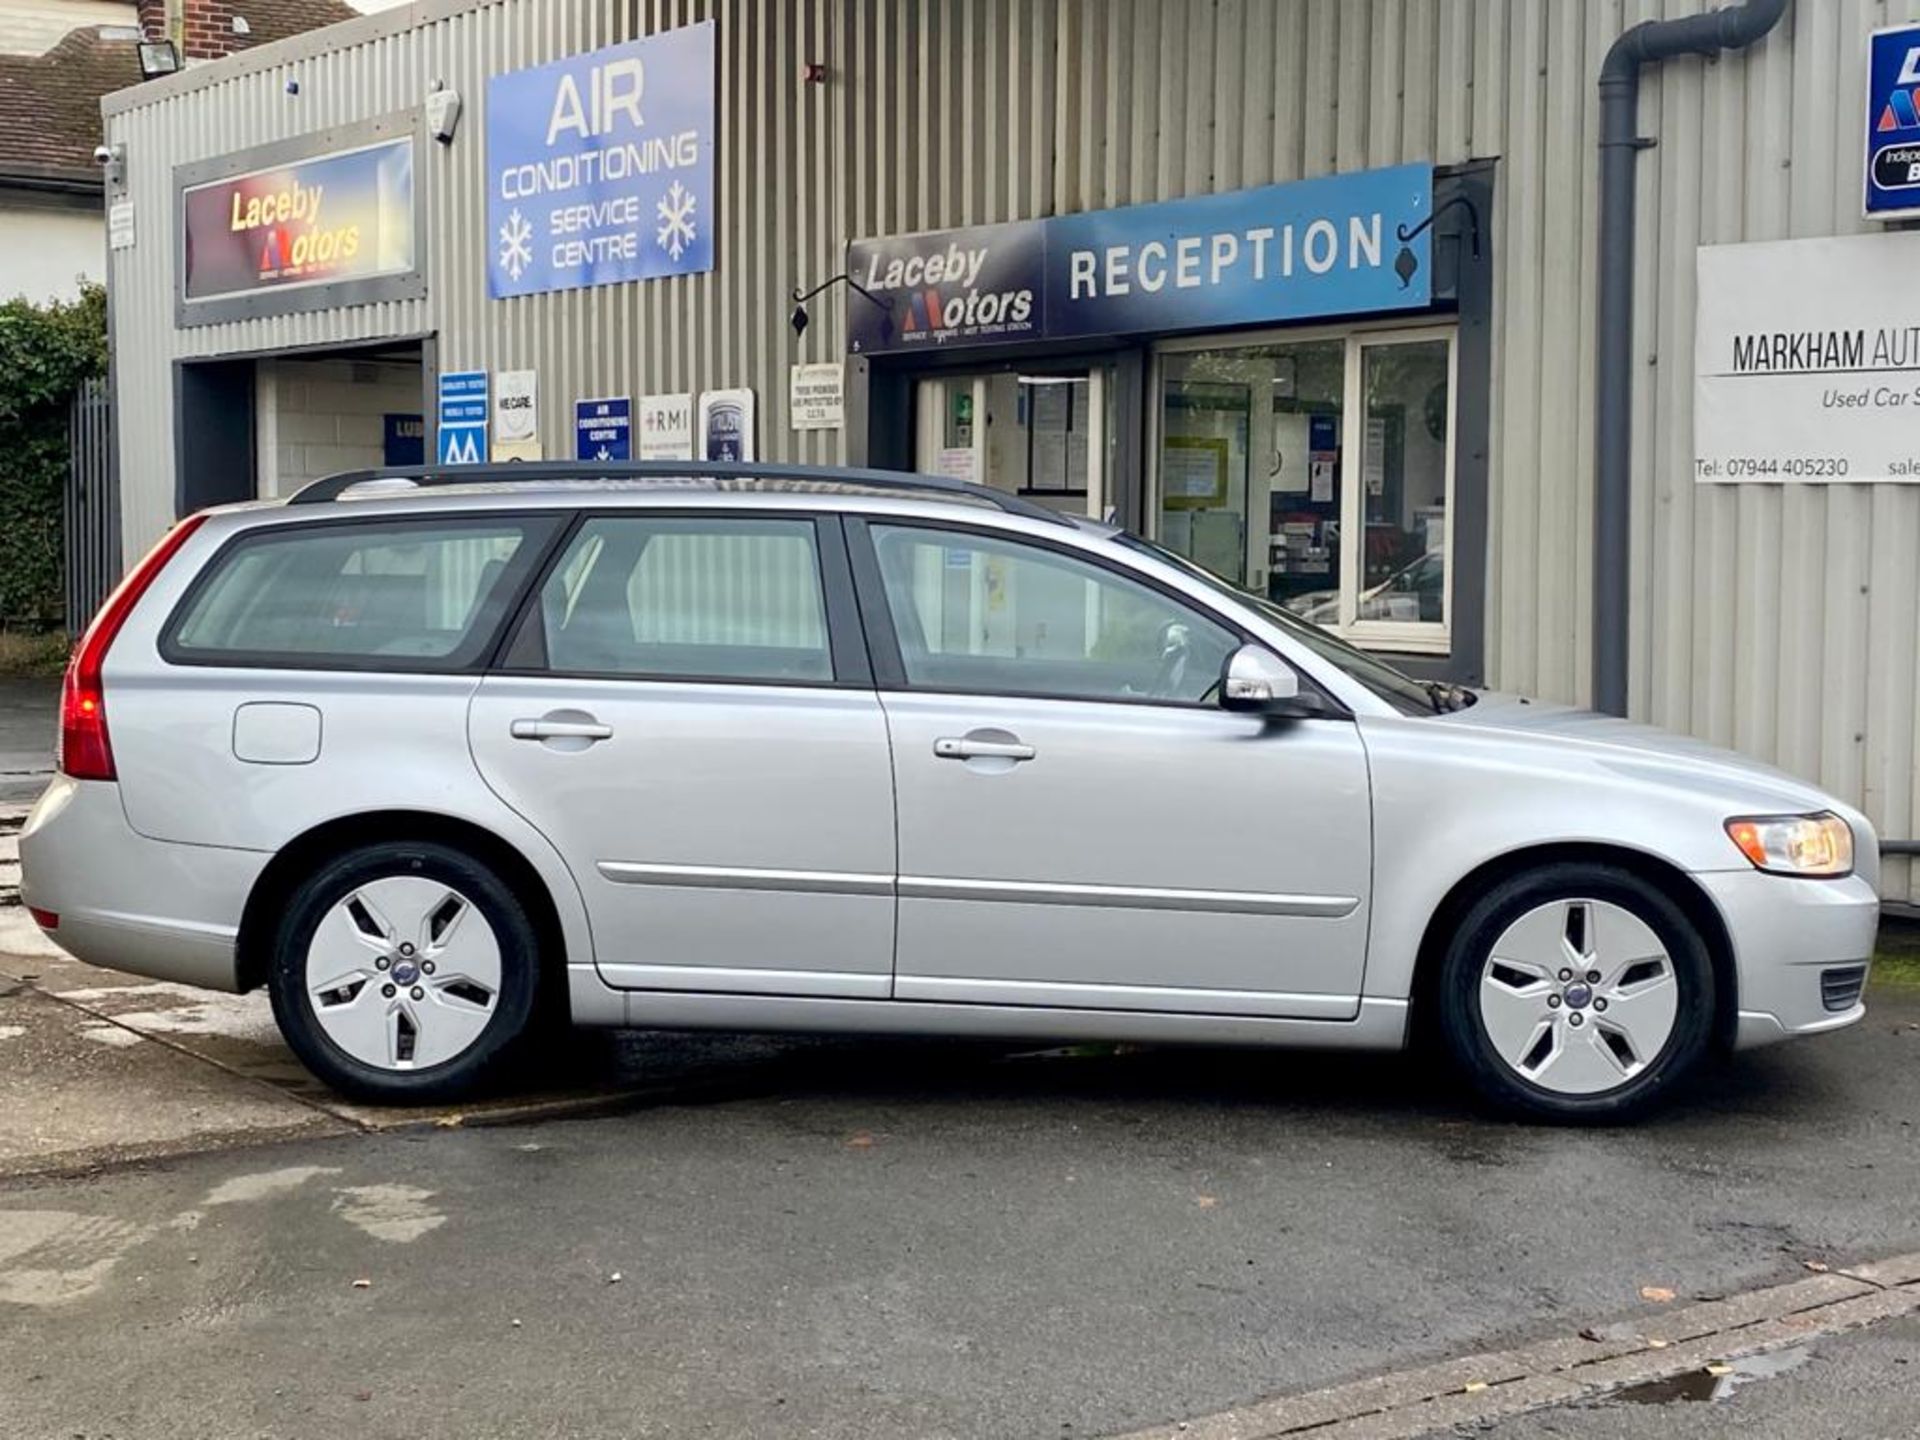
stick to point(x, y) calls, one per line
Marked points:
point(85, 752)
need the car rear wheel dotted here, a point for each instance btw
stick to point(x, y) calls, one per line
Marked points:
point(1576, 992)
point(404, 973)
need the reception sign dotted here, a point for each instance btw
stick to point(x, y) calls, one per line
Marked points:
point(1352, 244)
point(330, 218)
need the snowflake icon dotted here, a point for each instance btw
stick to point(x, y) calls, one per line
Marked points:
point(675, 209)
point(516, 244)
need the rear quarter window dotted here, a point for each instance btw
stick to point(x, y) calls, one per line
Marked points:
point(391, 595)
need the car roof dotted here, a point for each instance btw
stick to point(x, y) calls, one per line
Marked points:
point(670, 481)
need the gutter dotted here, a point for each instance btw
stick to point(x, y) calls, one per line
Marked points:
point(54, 184)
point(1732, 28)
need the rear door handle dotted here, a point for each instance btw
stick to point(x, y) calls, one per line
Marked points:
point(960, 747)
point(560, 730)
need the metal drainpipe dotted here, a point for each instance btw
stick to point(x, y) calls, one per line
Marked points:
point(1733, 28)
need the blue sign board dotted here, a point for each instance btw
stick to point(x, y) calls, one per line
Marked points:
point(463, 418)
point(403, 440)
point(603, 429)
point(1893, 123)
point(600, 166)
point(1352, 244)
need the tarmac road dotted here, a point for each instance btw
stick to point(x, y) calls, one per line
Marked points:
point(872, 1239)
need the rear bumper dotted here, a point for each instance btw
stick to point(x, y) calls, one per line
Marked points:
point(1786, 933)
point(150, 907)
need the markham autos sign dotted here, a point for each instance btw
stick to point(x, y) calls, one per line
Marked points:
point(335, 217)
point(600, 166)
point(1807, 361)
point(1339, 245)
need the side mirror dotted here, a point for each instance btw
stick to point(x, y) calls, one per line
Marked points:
point(1258, 682)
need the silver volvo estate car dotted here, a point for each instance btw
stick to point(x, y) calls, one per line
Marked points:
point(776, 748)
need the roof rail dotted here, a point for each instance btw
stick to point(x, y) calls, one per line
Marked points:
point(331, 487)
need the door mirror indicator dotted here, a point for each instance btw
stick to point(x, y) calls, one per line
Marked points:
point(1258, 682)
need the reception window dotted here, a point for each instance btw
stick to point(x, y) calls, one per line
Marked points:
point(1316, 470)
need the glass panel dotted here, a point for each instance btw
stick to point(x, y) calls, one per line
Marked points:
point(1403, 477)
point(1250, 467)
point(730, 600)
point(1044, 434)
point(982, 615)
point(353, 591)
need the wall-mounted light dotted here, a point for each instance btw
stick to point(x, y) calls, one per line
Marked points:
point(800, 319)
point(157, 58)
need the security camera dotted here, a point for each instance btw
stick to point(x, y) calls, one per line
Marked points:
point(104, 155)
point(443, 114)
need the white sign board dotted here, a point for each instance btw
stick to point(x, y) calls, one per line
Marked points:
point(120, 225)
point(1806, 361)
point(727, 427)
point(665, 427)
point(516, 415)
point(816, 396)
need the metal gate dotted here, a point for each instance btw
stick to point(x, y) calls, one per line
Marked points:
point(92, 516)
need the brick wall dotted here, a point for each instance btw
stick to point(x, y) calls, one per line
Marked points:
point(206, 27)
point(313, 417)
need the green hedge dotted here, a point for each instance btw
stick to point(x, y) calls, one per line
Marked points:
point(46, 351)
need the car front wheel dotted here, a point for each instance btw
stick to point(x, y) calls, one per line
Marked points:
point(404, 973)
point(1576, 992)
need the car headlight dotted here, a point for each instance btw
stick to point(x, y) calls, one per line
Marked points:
point(1818, 845)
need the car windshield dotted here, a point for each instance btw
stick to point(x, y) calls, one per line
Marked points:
point(1403, 692)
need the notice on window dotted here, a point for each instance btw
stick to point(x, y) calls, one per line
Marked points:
point(1193, 471)
point(956, 463)
point(1807, 362)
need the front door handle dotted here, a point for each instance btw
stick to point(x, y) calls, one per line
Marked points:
point(965, 747)
point(552, 729)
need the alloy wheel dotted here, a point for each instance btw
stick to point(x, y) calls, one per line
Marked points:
point(1578, 996)
point(403, 973)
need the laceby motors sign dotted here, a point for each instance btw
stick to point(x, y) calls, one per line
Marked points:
point(600, 166)
point(342, 216)
point(1339, 245)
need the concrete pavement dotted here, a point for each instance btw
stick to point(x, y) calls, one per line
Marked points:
point(28, 711)
point(875, 1239)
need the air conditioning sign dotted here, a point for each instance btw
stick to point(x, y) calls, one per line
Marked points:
point(1339, 245)
point(600, 166)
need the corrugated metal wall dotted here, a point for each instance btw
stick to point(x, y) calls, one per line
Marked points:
point(1780, 620)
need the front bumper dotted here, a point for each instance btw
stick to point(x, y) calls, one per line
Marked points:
point(151, 907)
point(1786, 932)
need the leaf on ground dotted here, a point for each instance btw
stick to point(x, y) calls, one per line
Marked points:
point(1659, 1294)
point(1474, 1387)
point(1819, 1267)
point(450, 1122)
point(1206, 1202)
point(860, 1140)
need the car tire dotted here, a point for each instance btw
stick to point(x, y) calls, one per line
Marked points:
point(405, 973)
point(1576, 993)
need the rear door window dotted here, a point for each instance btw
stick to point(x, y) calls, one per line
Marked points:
point(687, 598)
point(394, 595)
